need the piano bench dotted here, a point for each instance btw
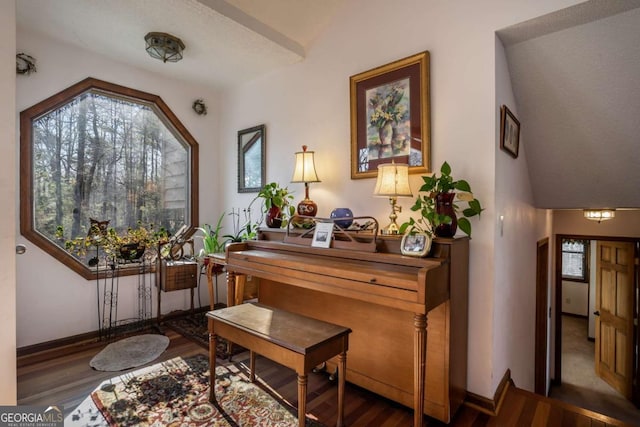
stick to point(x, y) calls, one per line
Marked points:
point(295, 341)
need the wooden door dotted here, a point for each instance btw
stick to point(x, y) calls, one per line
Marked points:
point(614, 314)
point(542, 304)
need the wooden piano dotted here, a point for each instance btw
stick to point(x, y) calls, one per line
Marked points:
point(387, 299)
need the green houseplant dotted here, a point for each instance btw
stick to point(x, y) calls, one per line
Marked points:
point(128, 245)
point(212, 239)
point(276, 204)
point(439, 215)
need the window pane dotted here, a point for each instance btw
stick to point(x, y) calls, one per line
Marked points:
point(109, 159)
point(574, 259)
point(572, 265)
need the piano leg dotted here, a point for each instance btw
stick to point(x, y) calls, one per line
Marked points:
point(419, 368)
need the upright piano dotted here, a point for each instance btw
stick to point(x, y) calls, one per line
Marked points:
point(408, 315)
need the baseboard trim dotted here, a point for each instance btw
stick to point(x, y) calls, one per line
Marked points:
point(490, 406)
point(63, 346)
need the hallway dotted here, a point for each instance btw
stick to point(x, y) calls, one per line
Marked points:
point(580, 385)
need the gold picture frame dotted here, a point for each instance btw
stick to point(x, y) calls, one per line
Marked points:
point(390, 117)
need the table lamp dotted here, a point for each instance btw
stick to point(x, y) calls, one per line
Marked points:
point(393, 182)
point(305, 171)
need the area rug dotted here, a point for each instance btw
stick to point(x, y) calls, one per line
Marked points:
point(176, 392)
point(196, 328)
point(130, 352)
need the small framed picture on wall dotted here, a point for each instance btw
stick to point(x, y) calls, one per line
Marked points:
point(509, 132)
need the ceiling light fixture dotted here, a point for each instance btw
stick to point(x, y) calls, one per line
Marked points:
point(164, 47)
point(599, 214)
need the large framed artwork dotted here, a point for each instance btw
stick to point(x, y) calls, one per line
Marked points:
point(390, 117)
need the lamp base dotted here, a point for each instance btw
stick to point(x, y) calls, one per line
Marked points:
point(390, 229)
point(307, 207)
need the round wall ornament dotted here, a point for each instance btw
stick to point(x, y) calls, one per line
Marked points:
point(199, 107)
point(25, 64)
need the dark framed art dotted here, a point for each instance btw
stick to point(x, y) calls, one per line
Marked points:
point(251, 159)
point(390, 117)
point(509, 132)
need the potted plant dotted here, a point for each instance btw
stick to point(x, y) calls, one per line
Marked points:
point(276, 204)
point(439, 214)
point(212, 239)
point(129, 245)
point(246, 231)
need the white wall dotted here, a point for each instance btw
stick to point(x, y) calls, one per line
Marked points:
point(308, 103)
point(8, 177)
point(53, 301)
point(625, 224)
point(575, 297)
point(518, 228)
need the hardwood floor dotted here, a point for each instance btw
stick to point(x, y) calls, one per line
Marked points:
point(66, 379)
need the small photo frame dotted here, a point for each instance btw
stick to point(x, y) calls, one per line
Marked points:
point(509, 132)
point(415, 244)
point(322, 235)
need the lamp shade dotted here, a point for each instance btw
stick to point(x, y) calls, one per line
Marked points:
point(305, 169)
point(393, 181)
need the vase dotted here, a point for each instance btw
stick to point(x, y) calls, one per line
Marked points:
point(444, 206)
point(273, 218)
point(131, 251)
point(341, 214)
point(385, 132)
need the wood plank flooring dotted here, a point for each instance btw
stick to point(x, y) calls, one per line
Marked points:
point(67, 379)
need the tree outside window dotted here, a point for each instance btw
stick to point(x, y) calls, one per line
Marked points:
point(100, 151)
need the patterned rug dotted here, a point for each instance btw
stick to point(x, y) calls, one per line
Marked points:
point(175, 393)
point(196, 328)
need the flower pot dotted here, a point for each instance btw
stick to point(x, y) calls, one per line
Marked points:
point(444, 206)
point(273, 218)
point(131, 251)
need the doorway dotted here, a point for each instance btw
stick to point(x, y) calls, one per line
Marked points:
point(575, 380)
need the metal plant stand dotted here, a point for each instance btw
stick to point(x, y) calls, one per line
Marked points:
point(108, 284)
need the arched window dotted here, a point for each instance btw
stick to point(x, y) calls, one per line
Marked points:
point(105, 152)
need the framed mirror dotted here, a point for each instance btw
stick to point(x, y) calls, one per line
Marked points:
point(251, 159)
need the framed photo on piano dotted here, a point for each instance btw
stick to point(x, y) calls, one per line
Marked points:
point(322, 235)
point(415, 244)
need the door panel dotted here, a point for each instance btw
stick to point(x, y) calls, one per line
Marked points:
point(614, 325)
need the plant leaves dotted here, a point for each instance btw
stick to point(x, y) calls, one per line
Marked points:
point(462, 185)
point(445, 169)
point(465, 226)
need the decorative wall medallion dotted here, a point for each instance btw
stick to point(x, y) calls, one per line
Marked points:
point(25, 64)
point(199, 107)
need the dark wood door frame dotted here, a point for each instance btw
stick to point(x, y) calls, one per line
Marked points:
point(557, 303)
point(542, 297)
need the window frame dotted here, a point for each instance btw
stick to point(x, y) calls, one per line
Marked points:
point(585, 262)
point(27, 117)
